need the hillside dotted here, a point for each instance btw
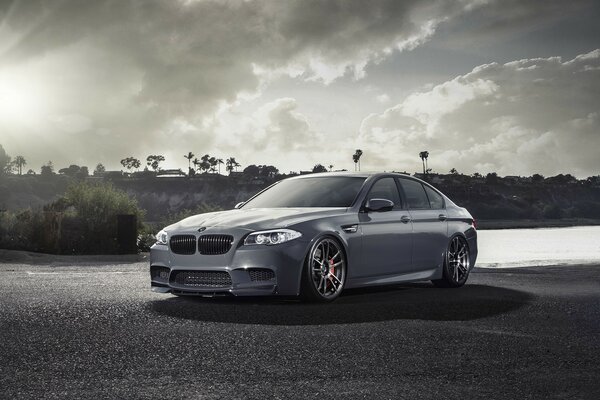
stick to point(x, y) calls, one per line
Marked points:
point(509, 198)
point(506, 199)
point(158, 196)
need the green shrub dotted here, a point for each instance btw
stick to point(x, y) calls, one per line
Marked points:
point(23, 231)
point(83, 221)
point(91, 211)
point(98, 204)
point(145, 241)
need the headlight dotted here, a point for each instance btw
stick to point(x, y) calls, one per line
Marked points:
point(162, 237)
point(269, 238)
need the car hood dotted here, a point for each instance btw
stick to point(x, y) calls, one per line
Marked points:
point(254, 218)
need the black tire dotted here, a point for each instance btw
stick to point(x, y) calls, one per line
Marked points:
point(323, 282)
point(456, 264)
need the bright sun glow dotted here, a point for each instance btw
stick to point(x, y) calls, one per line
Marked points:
point(20, 101)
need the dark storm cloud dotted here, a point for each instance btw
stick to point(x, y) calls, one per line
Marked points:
point(510, 15)
point(195, 54)
point(542, 27)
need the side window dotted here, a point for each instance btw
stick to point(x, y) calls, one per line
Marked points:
point(435, 199)
point(415, 194)
point(385, 188)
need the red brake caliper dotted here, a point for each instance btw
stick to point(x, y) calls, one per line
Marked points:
point(331, 271)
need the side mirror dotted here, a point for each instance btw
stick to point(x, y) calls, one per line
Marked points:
point(239, 205)
point(379, 205)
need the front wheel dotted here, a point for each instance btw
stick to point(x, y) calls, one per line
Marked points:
point(456, 264)
point(324, 272)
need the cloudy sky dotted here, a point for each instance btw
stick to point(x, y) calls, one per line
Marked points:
point(511, 86)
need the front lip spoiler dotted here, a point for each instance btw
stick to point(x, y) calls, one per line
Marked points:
point(255, 290)
point(160, 288)
point(201, 294)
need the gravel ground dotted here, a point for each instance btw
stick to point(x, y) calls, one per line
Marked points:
point(95, 330)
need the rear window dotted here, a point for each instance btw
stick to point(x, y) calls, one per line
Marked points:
point(435, 199)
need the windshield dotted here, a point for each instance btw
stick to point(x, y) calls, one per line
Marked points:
point(331, 191)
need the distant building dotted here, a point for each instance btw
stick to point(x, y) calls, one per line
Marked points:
point(170, 173)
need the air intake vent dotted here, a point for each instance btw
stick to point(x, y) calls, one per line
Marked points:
point(202, 278)
point(261, 274)
point(214, 244)
point(183, 244)
point(159, 273)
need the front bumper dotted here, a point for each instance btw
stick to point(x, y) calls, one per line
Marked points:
point(243, 271)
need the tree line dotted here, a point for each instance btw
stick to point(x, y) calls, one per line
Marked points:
point(210, 164)
point(204, 164)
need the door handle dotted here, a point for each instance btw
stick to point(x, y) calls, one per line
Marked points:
point(350, 228)
point(405, 219)
point(442, 217)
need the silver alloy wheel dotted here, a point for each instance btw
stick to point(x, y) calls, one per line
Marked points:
point(458, 259)
point(328, 268)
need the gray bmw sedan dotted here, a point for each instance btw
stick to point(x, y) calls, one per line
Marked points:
point(314, 235)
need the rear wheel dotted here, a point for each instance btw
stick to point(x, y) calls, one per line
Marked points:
point(456, 264)
point(324, 272)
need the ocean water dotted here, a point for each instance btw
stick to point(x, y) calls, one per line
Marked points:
point(505, 248)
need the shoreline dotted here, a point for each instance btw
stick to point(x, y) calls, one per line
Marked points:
point(488, 224)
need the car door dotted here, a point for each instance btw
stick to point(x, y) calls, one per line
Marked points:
point(386, 235)
point(430, 229)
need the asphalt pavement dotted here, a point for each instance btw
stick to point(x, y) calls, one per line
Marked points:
point(94, 330)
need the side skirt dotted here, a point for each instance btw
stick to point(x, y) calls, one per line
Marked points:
point(391, 279)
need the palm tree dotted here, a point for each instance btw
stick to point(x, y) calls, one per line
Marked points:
point(356, 158)
point(20, 163)
point(196, 163)
point(231, 164)
point(330, 167)
point(219, 162)
point(213, 163)
point(204, 164)
point(189, 157)
point(424, 155)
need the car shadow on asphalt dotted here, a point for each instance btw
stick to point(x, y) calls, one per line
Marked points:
point(414, 301)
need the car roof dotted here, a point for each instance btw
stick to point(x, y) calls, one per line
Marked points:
point(350, 174)
point(373, 175)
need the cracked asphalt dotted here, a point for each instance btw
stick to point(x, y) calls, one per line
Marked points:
point(96, 331)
